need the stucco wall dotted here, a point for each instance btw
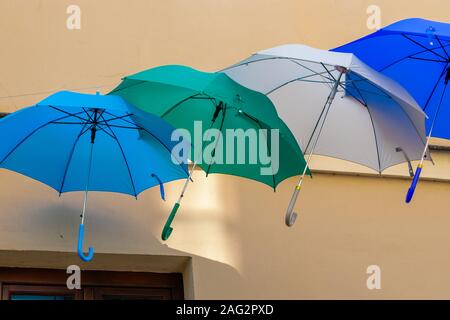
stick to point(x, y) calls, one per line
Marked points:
point(229, 239)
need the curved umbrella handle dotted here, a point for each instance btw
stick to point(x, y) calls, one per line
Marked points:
point(167, 228)
point(413, 186)
point(90, 254)
point(291, 216)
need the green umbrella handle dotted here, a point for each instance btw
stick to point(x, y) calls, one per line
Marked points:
point(291, 216)
point(167, 228)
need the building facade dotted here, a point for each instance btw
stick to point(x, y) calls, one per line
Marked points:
point(229, 239)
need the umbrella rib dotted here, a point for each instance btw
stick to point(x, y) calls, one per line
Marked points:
point(345, 90)
point(364, 102)
point(88, 115)
point(151, 134)
point(267, 142)
point(361, 101)
point(178, 104)
point(122, 127)
point(311, 70)
point(384, 95)
point(250, 62)
point(389, 97)
point(269, 58)
point(424, 59)
point(71, 156)
point(315, 126)
point(374, 130)
point(115, 118)
point(62, 122)
point(268, 147)
point(376, 140)
point(123, 155)
point(103, 129)
point(100, 126)
point(435, 87)
point(412, 123)
point(422, 46)
point(344, 87)
point(331, 75)
point(296, 61)
point(368, 82)
point(75, 115)
point(440, 43)
point(28, 136)
point(407, 57)
point(294, 80)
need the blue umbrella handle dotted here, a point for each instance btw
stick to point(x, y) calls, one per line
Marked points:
point(167, 228)
point(413, 186)
point(161, 186)
point(90, 254)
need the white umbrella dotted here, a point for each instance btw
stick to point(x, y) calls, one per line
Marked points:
point(359, 114)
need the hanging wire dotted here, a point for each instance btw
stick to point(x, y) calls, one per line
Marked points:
point(52, 91)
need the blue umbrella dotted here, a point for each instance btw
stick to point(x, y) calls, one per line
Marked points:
point(416, 53)
point(82, 142)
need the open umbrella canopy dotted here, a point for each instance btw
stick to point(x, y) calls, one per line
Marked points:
point(372, 117)
point(374, 121)
point(416, 53)
point(82, 142)
point(185, 97)
point(199, 101)
point(51, 142)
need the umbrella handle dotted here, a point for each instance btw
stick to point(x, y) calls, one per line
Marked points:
point(167, 228)
point(90, 254)
point(413, 186)
point(291, 216)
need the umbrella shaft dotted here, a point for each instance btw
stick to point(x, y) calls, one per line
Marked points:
point(328, 104)
point(87, 183)
point(188, 179)
point(432, 124)
point(84, 206)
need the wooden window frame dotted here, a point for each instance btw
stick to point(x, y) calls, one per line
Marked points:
point(93, 283)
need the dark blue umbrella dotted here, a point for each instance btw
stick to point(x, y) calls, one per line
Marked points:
point(416, 53)
point(82, 142)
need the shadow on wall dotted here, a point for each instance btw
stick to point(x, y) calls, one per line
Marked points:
point(346, 224)
point(38, 229)
point(233, 230)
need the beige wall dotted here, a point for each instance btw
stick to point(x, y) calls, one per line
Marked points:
point(229, 239)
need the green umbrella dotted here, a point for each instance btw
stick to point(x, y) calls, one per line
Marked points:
point(190, 99)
